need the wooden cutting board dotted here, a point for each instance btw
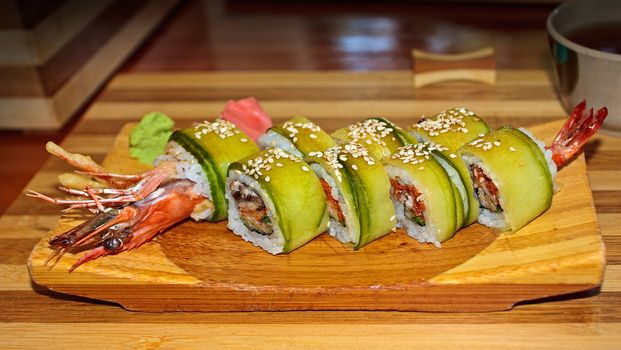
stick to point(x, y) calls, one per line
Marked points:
point(205, 267)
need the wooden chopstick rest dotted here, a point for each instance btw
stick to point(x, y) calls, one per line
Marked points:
point(431, 68)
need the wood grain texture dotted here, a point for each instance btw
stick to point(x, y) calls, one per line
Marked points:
point(477, 66)
point(204, 267)
point(28, 309)
point(66, 80)
point(314, 39)
point(218, 35)
point(320, 336)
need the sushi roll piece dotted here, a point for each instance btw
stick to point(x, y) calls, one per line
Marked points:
point(298, 136)
point(357, 190)
point(378, 135)
point(513, 177)
point(276, 201)
point(427, 203)
point(202, 154)
point(452, 129)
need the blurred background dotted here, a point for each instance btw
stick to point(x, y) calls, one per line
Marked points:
point(56, 56)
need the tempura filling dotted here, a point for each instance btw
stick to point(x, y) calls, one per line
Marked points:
point(412, 199)
point(252, 211)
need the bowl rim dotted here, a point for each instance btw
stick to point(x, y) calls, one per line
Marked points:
point(570, 44)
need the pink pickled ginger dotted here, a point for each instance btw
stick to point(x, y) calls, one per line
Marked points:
point(248, 116)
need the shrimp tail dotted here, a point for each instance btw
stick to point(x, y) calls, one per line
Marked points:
point(576, 131)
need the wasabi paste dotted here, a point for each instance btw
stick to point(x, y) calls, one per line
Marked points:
point(148, 139)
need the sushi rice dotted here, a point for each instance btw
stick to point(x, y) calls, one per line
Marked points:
point(189, 168)
point(423, 234)
point(273, 139)
point(512, 211)
point(272, 243)
point(335, 228)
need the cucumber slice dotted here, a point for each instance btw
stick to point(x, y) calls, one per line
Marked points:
point(298, 136)
point(453, 129)
point(215, 145)
point(293, 189)
point(518, 168)
point(378, 135)
point(363, 188)
point(443, 213)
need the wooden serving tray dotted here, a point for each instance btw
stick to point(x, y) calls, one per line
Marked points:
point(205, 267)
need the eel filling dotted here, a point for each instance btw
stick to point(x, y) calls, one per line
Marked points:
point(334, 208)
point(412, 199)
point(252, 210)
point(485, 190)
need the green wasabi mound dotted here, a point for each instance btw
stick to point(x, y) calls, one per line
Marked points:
point(148, 139)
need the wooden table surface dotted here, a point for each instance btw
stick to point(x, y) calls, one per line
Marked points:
point(33, 317)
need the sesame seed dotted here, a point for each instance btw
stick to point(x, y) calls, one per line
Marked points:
point(294, 129)
point(305, 168)
point(222, 128)
point(417, 153)
point(512, 149)
point(340, 153)
point(421, 168)
point(392, 218)
point(446, 121)
point(267, 179)
point(263, 163)
point(452, 155)
point(497, 143)
point(370, 130)
point(243, 139)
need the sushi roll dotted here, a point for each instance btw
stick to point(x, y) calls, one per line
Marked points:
point(357, 189)
point(452, 129)
point(276, 201)
point(298, 136)
point(427, 203)
point(378, 135)
point(202, 154)
point(513, 177)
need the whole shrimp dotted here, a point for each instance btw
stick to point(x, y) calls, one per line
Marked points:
point(134, 208)
point(138, 207)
